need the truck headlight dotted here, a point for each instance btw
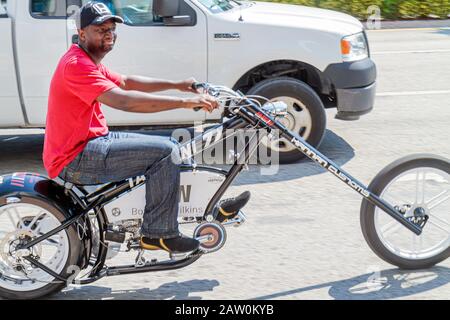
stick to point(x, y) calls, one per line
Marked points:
point(354, 47)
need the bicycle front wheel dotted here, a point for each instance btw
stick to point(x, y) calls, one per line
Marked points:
point(418, 186)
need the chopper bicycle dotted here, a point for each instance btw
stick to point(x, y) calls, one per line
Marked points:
point(52, 230)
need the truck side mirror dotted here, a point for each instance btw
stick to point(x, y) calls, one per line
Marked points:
point(75, 39)
point(3, 9)
point(168, 10)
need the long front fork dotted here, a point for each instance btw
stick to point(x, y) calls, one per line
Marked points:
point(329, 165)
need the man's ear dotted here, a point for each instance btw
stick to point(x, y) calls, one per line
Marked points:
point(81, 35)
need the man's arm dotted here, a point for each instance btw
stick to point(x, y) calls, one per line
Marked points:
point(135, 101)
point(146, 84)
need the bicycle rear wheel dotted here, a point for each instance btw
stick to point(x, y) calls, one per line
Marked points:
point(20, 223)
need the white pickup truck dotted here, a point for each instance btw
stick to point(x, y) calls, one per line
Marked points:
point(310, 58)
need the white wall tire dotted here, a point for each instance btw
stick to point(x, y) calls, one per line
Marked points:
point(57, 253)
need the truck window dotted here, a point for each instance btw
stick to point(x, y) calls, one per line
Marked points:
point(134, 12)
point(216, 6)
point(48, 8)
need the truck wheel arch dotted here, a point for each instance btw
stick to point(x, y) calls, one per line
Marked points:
point(290, 68)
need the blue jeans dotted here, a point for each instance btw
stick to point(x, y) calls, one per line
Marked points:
point(120, 155)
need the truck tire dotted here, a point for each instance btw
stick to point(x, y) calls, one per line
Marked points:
point(306, 113)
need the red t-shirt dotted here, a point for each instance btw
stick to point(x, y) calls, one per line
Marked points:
point(74, 116)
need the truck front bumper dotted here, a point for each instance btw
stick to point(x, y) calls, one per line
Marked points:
point(355, 85)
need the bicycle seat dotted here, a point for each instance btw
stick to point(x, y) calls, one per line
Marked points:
point(85, 187)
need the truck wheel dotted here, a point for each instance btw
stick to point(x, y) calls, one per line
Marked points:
point(306, 114)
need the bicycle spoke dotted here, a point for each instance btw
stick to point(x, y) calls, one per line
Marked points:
point(38, 228)
point(390, 227)
point(414, 243)
point(51, 242)
point(31, 224)
point(437, 200)
point(420, 242)
point(420, 187)
point(443, 225)
point(22, 225)
point(424, 180)
point(12, 219)
point(438, 226)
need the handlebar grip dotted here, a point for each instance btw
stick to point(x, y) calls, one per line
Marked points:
point(195, 86)
point(198, 85)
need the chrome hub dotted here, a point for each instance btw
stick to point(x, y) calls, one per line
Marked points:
point(13, 257)
point(288, 121)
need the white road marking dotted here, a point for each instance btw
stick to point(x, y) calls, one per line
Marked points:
point(408, 29)
point(412, 93)
point(10, 139)
point(412, 51)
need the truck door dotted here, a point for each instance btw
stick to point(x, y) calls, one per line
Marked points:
point(11, 112)
point(40, 29)
point(145, 46)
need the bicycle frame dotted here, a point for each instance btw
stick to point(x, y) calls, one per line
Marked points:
point(111, 191)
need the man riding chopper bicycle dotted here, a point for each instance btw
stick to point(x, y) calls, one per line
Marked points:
point(48, 229)
point(79, 147)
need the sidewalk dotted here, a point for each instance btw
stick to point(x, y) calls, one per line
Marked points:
point(405, 24)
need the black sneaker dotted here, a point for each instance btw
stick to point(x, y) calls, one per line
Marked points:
point(229, 208)
point(180, 244)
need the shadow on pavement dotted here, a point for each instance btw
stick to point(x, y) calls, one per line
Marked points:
point(21, 153)
point(172, 291)
point(387, 284)
point(333, 147)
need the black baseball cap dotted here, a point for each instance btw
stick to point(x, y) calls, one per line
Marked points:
point(95, 13)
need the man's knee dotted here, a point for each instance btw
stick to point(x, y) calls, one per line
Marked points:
point(174, 152)
point(167, 151)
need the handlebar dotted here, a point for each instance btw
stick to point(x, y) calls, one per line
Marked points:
point(196, 86)
point(274, 108)
point(217, 90)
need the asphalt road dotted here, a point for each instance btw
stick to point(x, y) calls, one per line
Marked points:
point(302, 239)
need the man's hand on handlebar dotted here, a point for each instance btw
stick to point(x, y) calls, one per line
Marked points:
point(187, 86)
point(203, 101)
